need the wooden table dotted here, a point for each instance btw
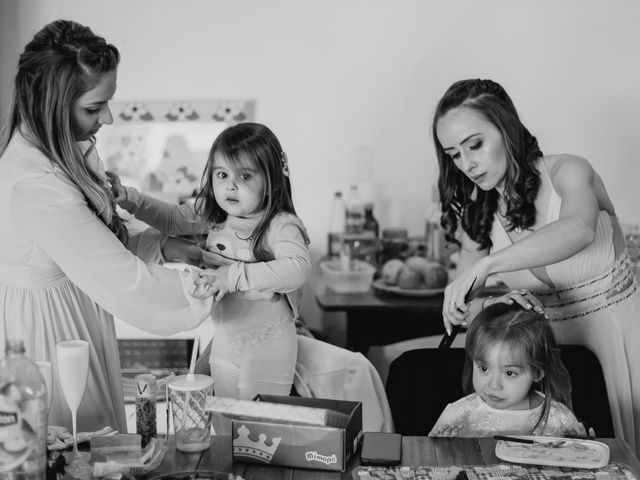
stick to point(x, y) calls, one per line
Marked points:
point(415, 451)
point(381, 319)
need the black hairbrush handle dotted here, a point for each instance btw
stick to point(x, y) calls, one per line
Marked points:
point(448, 338)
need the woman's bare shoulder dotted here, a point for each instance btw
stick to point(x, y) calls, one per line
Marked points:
point(558, 163)
point(568, 169)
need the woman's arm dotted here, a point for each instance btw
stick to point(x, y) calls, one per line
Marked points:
point(167, 217)
point(574, 230)
point(55, 214)
point(571, 233)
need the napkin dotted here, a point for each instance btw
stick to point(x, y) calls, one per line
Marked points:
point(59, 438)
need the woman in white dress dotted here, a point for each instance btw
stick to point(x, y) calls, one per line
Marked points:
point(546, 226)
point(66, 261)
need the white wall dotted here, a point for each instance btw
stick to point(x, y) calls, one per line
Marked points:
point(332, 75)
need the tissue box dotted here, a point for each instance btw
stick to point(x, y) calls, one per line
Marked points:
point(296, 443)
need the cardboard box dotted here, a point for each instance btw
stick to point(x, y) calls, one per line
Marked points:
point(328, 447)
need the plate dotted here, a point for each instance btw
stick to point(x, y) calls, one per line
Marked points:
point(406, 292)
point(576, 453)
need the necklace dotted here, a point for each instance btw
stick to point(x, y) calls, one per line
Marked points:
point(245, 239)
point(517, 230)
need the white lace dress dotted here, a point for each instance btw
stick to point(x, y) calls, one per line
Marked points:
point(476, 418)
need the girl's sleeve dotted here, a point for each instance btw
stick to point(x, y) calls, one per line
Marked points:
point(167, 217)
point(50, 209)
point(290, 270)
point(447, 417)
point(569, 424)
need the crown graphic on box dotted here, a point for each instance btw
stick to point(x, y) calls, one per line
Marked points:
point(258, 451)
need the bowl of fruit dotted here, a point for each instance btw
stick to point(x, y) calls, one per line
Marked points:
point(416, 276)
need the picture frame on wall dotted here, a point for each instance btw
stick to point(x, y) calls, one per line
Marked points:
point(161, 147)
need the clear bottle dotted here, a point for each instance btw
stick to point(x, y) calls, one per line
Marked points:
point(354, 221)
point(23, 416)
point(370, 222)
point(336, 226)
point(434, 233)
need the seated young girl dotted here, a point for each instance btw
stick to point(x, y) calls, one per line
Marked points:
point(519, 383)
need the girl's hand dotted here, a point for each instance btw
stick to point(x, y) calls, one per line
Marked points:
point(117, 188)
point(446, 431)
point(455, 309)
point(212, 283)
point(523, 297)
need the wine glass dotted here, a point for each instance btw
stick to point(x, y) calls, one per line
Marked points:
point(73, 368)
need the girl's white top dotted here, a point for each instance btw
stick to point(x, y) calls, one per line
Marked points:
point(475, 418)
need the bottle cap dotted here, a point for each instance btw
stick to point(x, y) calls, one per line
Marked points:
point(14, 345)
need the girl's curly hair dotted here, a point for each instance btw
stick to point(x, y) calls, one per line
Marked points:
point(461, 200)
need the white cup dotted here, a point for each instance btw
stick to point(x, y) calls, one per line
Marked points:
point(191, 423)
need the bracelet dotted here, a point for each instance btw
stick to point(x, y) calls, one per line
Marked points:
point(482, 305)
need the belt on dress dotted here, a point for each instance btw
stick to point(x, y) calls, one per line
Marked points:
point(592, 295)
point(31, 276)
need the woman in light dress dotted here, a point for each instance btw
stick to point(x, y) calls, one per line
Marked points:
point(546, 226)
point(66, 258)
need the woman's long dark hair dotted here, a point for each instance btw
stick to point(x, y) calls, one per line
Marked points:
point(63, 61)
point(529, 336)
point(473, 207)
point(257, 144)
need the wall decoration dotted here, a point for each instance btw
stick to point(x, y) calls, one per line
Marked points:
point(161, 148)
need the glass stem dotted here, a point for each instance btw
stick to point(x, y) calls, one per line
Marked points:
point(75, 435)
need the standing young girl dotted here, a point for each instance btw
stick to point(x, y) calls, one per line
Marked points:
point(519, 383)
point(258, 249)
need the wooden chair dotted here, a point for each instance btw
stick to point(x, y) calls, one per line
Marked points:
point(422, 382)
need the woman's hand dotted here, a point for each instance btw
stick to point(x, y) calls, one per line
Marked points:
point(118, 190)
point(212, 283)
point(523, 297)
point(455, 308)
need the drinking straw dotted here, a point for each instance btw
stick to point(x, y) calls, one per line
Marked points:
point(194, 356)
point(190, 377)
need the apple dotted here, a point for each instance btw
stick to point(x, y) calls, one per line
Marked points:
point(435, 275)
point(391, 270)
point(408, 278)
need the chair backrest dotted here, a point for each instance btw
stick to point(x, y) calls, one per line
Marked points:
point(589, 390)
point(422, 382)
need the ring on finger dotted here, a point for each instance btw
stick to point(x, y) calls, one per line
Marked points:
point(523, 292)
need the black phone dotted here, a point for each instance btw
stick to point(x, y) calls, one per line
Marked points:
point(380, 448)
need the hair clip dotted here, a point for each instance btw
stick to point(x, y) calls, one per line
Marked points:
point(285, 165)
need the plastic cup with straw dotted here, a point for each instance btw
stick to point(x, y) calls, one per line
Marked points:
point(188, 394)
